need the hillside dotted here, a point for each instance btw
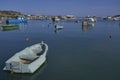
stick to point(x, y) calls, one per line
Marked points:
point(9, 14)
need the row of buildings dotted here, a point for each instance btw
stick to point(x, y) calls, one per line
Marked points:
point(114, 18)
point(36, 17)
point(15, 14)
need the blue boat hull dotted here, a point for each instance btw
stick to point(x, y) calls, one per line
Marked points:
point(58, 26)
point(15, 21)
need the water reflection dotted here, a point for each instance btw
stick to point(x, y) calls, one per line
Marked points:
point(34, 76)
point(87, 27)
point(23, 26)
point(57, 30)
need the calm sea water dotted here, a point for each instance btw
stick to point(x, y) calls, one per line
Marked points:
point(75, 52)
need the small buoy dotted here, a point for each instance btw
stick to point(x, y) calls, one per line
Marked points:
point(110, 36)
point(27, 39)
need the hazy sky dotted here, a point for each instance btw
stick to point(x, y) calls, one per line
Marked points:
point(63, 7)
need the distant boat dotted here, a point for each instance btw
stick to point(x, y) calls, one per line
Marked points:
point(55, 19)
point(9, 27)
point(58, 27)
point(27, 60)
point(16, 21)
point(92, 19)
point(89, 21)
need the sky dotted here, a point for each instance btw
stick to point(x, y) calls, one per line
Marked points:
point(63, 7)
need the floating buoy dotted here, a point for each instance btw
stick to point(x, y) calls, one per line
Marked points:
point(110, 36)
point(27, 39)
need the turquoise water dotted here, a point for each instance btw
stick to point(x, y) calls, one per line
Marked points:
point(75, 52)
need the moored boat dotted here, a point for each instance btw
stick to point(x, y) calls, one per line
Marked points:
point(58, 27)
point(28, 60)
point(19, 19)
point(9, 27)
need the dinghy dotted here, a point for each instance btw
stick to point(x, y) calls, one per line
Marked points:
point(28, 60)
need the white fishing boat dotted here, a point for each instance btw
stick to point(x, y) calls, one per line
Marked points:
point(58, 27)
point(28, 60)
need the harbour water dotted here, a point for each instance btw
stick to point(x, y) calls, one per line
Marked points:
point(75, 52)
